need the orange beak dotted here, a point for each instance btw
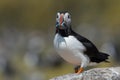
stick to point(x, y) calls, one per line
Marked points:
point(61, 19)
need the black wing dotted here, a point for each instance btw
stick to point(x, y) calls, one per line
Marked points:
point(91, 49)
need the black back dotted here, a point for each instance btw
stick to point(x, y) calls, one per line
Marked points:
point(91, 50)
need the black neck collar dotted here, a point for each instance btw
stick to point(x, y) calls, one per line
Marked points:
point(64, 32)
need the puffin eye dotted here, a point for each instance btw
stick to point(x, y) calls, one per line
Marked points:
point(68, 16)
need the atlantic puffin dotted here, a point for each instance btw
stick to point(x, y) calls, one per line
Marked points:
point(73, 47)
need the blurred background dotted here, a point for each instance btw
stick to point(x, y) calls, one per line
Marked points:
point(27, 29)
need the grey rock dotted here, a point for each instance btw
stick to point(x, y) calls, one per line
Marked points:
point(112, 73)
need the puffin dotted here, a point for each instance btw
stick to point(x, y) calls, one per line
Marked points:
point(73, 47)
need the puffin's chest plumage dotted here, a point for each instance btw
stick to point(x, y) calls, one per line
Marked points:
point(69, 42)
point(69, 48)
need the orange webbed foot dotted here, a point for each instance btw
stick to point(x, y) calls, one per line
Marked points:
point(80, 70)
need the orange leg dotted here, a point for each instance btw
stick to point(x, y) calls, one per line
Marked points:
point(80, 70)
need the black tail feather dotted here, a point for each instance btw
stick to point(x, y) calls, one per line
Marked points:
point(101, 57)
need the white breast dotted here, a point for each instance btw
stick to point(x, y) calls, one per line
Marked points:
point(70, 49)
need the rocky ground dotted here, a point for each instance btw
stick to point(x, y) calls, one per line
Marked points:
point(112, 73)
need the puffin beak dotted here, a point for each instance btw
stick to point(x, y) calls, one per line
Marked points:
point(61, 19)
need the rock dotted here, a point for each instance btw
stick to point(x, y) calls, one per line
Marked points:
point(112, 73)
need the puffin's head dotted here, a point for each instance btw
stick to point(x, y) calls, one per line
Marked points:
point(63, 20)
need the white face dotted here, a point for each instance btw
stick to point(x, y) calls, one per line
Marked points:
point(66, 19)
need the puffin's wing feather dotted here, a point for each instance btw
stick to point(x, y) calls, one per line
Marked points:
point(91, 49)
